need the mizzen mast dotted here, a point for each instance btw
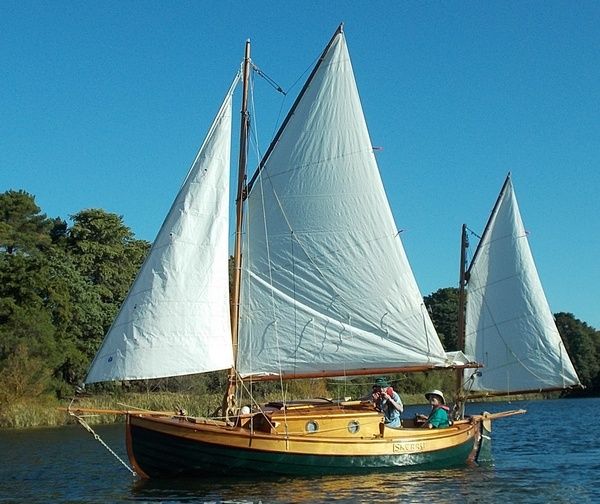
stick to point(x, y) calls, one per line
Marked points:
point(464, 243)
point(229, 399)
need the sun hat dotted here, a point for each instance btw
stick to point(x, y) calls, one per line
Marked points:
point(381, 382)
point(436, 393)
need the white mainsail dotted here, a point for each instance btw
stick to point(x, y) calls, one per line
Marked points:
point(327, 285)
point(509, 326)
point(175, 319)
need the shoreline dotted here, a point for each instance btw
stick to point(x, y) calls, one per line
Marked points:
point(45, 411)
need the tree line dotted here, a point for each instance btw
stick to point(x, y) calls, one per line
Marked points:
point(61, 286)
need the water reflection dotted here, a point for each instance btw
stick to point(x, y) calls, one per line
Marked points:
point(415, 486)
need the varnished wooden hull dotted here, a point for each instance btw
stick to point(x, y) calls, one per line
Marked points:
point(168, 446)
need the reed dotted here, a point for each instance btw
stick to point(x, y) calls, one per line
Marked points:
point(43, 411)
point(192, 404)
point(39, 412)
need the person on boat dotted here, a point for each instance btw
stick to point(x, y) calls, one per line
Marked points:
point(387, 400)
point(439, 416)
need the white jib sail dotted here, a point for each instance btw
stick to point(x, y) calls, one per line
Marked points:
point(175, 319)
point(327, 285)
point(509, 326)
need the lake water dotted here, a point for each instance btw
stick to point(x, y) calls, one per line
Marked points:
point(551, 454)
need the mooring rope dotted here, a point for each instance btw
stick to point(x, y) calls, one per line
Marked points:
point(86, 426)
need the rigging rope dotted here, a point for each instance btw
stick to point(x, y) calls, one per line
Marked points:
point(269, 262)
point(473, 233)
point(247, 237)
point(254, 139)
point(274, 84)
point(87, 427)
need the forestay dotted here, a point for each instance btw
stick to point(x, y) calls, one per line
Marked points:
point(327, 285)
point(509, 326)
point(175, 319)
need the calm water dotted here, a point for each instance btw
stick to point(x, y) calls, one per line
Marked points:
point(551, 454)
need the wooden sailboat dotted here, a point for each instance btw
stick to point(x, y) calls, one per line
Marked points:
point(509, 327)
point(322, 288)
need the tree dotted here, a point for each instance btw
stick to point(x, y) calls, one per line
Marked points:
point(443, 309)
point(77, 316)
point(26, 329)
point(60, 287)
point(23, 315)
point(105, 252)
point(582, 342)
point(22, 376)
point(23, 228)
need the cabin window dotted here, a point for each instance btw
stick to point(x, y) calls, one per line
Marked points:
point(312, 426)
point(353, 426)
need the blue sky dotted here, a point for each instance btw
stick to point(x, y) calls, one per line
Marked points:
point(104, 104)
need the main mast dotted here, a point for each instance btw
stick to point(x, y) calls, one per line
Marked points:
point(229, 399)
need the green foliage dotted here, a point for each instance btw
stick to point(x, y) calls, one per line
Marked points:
point(410, 386)
point(60, 287)
point(23, 375)
point(23, 229)
point(101, 261)
point(443, 309)
point(583, 344)
point(105, 252)
point(24, 319)
point(419, 383)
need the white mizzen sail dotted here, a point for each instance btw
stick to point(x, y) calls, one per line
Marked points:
point(175, 319)
point(327, 285)
point(509, 326)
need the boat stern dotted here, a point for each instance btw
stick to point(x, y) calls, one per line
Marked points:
point(482, 449)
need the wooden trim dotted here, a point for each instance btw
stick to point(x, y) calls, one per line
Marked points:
point(357, 372)
point(483, 395)
point(129, 444)
point(500, 414)
point(101, 411)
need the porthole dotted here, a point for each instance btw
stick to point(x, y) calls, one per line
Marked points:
point(312, 426)
point(353, 426)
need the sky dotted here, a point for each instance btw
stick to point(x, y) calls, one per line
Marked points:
point(103, 104)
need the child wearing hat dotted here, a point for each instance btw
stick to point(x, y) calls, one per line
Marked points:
point(439, 416)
